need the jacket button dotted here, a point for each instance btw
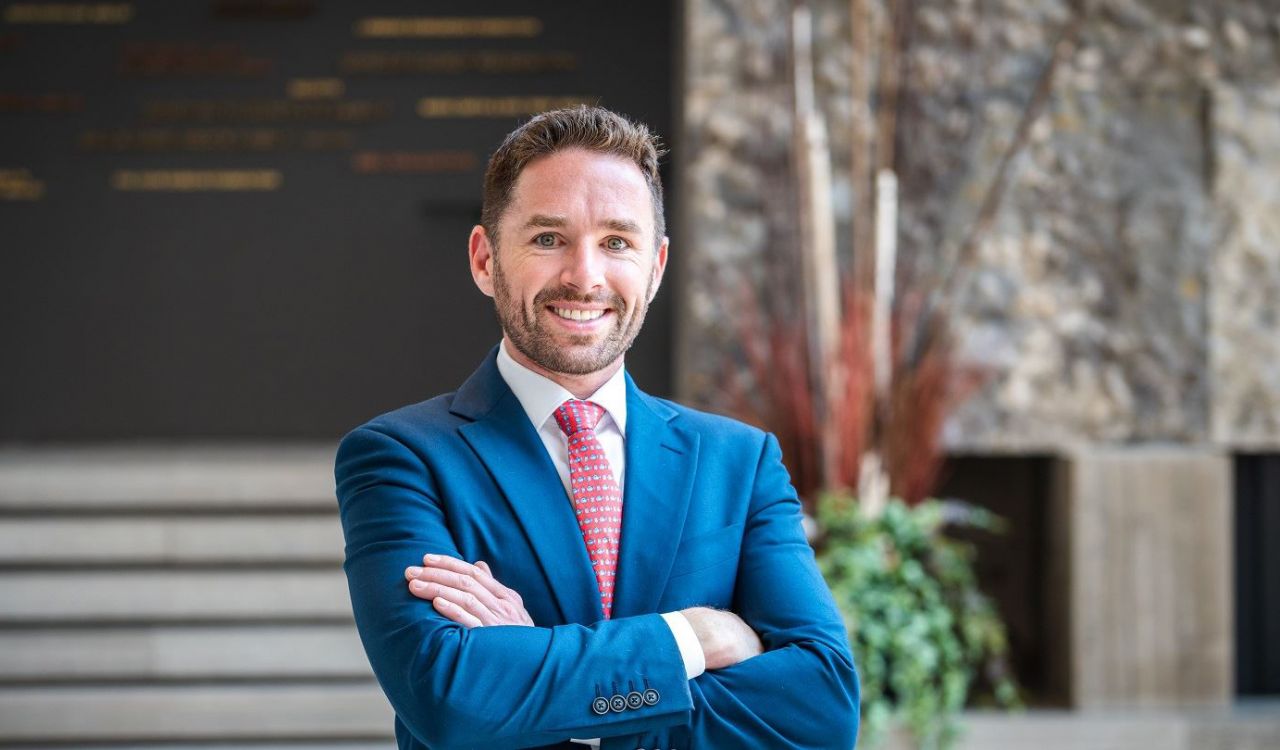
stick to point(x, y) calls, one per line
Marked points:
point(634, 700)
point(651, 697)
point(618, 704)
point(600, 706)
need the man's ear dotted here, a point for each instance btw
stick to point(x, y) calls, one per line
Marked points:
point(480, 252)
point(659, 268)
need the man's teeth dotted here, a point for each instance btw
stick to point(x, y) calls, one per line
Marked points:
point(578, 314)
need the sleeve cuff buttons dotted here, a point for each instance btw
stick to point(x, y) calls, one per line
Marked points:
point(632, 701)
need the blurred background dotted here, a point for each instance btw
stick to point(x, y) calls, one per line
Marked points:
point(1021, 254)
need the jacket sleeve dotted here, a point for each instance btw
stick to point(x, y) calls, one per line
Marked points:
point(504, 686)
point(802, 692)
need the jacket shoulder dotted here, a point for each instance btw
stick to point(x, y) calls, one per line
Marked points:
point(416, 422)
point(711, 425)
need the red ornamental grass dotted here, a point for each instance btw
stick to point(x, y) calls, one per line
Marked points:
point(853, 390)
point(778, 368)
point(926, 387)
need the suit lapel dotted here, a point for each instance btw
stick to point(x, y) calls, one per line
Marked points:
point(661, 460)
point(507, 444)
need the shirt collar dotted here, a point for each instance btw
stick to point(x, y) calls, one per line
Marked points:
point(540, 396)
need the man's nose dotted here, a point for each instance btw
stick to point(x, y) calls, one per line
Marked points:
point(583, 267)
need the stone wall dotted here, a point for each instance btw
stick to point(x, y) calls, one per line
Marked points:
point(1128, 287)
point(1244, 272)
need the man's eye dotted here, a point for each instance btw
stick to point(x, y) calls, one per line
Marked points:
point(616, 243)
point(545, 240)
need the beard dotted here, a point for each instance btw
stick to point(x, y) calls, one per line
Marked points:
point(584, 354)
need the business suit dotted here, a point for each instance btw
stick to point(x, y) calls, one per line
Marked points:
point(710, 519)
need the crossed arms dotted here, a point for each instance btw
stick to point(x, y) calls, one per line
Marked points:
point(470, 596)
point(512, 684)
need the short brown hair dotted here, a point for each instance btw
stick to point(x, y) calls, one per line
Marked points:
point(587, 127)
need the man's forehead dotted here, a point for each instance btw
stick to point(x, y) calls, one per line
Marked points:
point(579, 166)
point(561, 188)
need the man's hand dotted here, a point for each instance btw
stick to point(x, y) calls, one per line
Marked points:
point(724, 637)
point(465, 593)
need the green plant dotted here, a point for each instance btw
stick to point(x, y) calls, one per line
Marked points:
point(923, 635)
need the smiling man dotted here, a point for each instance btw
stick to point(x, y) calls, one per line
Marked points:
point(549, 553)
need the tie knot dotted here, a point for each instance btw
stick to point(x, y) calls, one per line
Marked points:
point(574, 416)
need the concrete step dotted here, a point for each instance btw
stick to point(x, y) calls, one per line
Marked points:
point(1243, 726)
point(148, 596)
point(122, 713)
point(310, 744)
point(182, 652)
point(185, 478)
point(77, 541)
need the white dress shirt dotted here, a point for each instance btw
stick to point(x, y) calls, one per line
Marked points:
point(540, 397)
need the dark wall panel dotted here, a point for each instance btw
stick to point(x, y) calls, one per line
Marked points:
point(1258, 574)
point(1012, 565)
point(289, 312)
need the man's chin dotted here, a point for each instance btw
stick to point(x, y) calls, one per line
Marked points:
point(585, 365)
point(582, 357)
point(567, 353)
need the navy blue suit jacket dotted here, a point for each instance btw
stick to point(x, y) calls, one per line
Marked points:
point(710, 518)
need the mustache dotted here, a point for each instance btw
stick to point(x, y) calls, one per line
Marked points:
point(565, 294)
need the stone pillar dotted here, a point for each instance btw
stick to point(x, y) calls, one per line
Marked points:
point(1141, 602)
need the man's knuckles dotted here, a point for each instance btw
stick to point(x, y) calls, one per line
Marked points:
point(433, 590)
point(437, 575)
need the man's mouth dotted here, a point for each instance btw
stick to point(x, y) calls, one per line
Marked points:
point(578, 315)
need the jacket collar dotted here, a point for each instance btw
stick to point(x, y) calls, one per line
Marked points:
point(661, 461)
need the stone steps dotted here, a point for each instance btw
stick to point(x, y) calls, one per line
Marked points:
point(192, 599)
point(157, 540)
point(192, 596)
point(129, 713)
point(173, 596)
point(1245, 727)
point(138, 653)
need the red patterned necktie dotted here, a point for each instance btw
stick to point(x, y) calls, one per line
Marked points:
point(597, 500)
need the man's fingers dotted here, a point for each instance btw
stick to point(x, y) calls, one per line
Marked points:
point(455, 612)
point(454, 565)
point(471, 587)
point(446, 577)
point(460, 601)
point(459, 581)
point(494, 585)
point(447, 563)
point(481, 574)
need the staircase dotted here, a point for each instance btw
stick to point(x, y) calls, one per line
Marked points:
point(192, 598)
point(178, 597)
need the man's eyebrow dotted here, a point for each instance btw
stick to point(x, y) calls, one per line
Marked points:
point(621, 225)
point(544, 221)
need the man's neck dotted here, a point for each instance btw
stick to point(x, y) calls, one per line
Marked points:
point(581, 386)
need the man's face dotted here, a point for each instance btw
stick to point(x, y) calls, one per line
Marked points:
point(577, 268)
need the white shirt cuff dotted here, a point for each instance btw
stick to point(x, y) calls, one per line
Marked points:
point(695, 662)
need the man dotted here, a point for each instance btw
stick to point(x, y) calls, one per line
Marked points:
point(549, 553)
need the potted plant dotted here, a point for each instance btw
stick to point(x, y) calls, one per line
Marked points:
point(923, 634)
